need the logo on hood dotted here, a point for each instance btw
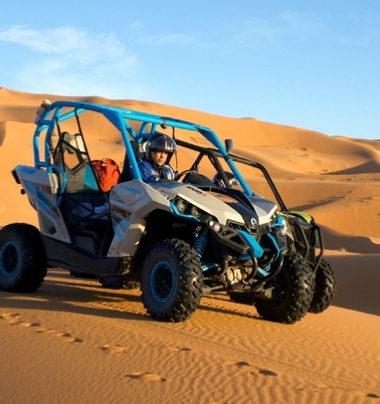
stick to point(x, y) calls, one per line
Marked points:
point(198, 191)
point(253, 222)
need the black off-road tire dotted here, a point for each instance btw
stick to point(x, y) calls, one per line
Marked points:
point(22, 258)
point(171, 281)
point(293, 290)
point(325, 288)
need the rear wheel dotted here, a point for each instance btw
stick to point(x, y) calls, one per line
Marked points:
point(171, 281)
point(325, 288)
point(292, 293)
point(22, 258)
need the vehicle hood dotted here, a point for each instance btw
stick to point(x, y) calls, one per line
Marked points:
point(224, 207)
point(215, 204)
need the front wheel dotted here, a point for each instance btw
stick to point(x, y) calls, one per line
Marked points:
point(292, 292)
point(325, 288)
point(22, 258)
point(171, 281)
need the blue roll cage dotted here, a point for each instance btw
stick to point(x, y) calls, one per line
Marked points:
point(119, 117)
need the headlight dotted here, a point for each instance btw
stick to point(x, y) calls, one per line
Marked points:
point(185, 208)
point(195, 211)
point(181, 205)
point(214, 225)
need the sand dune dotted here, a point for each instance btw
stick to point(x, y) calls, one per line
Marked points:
point(74, 341)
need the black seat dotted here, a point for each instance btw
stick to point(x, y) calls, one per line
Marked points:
point(81, 195)
point(127, 173)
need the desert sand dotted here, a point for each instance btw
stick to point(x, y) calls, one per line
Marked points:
point(75, 342)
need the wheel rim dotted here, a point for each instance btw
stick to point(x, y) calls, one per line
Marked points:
point(9, 259)
point(162, 281)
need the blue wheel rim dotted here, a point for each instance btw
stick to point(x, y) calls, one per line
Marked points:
point(9, 259)
point(162, 281)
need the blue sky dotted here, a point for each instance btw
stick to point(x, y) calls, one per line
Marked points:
point(312, 64)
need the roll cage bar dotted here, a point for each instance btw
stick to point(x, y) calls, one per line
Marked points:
point(214, 155)
point(119, 117)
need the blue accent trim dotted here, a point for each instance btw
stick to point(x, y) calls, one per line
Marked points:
point(152, 281)
point(238, 176)
point(275, 245)
point(251, 241)
point(209, 266)
point(262, 273)
point(41, 197)
point(280, 221)
point(200, 245)
point(89, 178)
point(178, 213)
point(3, 270)
point(245, 257)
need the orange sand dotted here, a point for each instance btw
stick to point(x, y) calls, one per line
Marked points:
point(75, 342)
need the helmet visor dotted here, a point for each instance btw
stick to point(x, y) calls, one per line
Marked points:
point(162, 143)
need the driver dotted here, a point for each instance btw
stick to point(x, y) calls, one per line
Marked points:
point(158, 152)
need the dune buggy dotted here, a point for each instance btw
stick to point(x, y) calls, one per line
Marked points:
point(179, 239)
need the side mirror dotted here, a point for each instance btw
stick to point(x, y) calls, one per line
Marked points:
point(229, 144)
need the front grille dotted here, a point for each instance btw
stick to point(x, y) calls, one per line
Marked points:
point(254, 232)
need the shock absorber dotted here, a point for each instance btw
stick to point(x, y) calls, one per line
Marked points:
point(201, 240)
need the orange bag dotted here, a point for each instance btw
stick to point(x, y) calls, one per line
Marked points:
point(108, 173)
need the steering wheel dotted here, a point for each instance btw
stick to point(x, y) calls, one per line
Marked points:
point(185, 172)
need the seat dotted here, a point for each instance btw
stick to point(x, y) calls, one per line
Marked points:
point(81, 197)
point(139, 150)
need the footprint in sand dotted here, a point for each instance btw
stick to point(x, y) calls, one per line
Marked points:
point(63, 336)
point(66, 337)
point(253, 369)
point(184, 349)
point(27, 324)
point(14, 319)
point(372, 395)
point(361, 393)
point(115, 349)
point(266, 372)
point(146, 377)
point(7, 316)
point(46, 330)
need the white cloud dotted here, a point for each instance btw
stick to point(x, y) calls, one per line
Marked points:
point(68, 41)
point(169, 39)
point(73, 61)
